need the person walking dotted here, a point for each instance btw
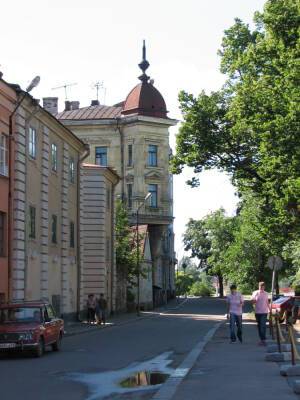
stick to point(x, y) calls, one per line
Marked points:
point(91, 307)
point(260, 299)
point(235, 302)
point(101, 310)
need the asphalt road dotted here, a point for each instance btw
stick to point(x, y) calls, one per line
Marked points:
point(106, 351)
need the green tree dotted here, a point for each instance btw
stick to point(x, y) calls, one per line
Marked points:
point(183, 283)
point(250, 127)
point(208, 239)
point(125, 249)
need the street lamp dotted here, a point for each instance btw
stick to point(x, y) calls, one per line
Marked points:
point(31, 86)
point(138, 251)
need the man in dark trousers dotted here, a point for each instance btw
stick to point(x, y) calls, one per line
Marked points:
point(101, 309)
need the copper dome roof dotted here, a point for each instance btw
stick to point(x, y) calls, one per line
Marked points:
point(145, 99)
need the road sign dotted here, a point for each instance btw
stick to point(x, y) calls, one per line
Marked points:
point(275, 263)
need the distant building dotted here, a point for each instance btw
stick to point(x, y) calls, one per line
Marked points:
point(133, 138)
point(97, 237)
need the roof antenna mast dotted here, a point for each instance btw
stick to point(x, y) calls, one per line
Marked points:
point(65, 86)
point(144, 65)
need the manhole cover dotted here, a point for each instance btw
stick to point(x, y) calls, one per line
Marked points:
point(144, 378)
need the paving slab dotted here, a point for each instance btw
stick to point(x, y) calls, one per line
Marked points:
point(225, 371)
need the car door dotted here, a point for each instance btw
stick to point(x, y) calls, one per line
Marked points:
point(54, 323)
point(49, 329)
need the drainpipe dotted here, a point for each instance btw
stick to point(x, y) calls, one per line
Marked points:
point(84, 155)
point(122, 159)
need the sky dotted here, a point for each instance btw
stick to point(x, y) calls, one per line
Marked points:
point(83, 42)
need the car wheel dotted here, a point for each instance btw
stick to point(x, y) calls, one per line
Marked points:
point(39, 351)
point(57, 345)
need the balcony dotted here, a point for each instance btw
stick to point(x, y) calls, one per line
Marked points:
point(152, 215)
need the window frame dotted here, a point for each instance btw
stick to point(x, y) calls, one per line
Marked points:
point(72, 235)
point(54, 231)
point(152, 155)
point(4, 171)
point(32, 222)
point(130, 155)
point(71, 170)
point(2, 234)
point(153, 203)
point(32, 143)
point(129, 195)
point(99, 155)
point(54, 157)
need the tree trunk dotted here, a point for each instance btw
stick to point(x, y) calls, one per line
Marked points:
point(221, 286)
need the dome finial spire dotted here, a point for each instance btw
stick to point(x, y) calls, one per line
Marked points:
point(144, 65)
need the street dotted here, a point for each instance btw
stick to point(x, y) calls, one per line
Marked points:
point(108, 350)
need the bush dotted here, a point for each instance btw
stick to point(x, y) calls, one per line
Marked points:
point(200, 289)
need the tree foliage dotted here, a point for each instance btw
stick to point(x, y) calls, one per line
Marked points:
point(125, 249)
point(208, 240)
point(250, 130)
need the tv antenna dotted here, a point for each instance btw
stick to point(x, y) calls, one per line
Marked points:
point(99, 86)
point(66, 86)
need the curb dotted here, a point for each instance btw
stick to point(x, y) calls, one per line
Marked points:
point(95, 328)
point(167, 391)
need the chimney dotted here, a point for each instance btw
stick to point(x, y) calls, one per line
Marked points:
point(50, 104)
point(71, 105)
point(75, 105)
point(95, 103)
point(67, 105)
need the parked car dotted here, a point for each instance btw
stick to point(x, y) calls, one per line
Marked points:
point(287, 306)
point(30, 326)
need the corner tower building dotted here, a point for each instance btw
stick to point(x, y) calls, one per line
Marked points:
point(133, 138)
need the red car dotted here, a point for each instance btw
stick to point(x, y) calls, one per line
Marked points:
point(287, 306)
point(30, 326)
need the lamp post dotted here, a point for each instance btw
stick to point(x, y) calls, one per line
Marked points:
point(138, 251)
point(31, 86)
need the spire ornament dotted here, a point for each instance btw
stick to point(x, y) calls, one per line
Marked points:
point(144, 65)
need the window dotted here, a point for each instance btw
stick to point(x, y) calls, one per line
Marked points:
point(3, 154)
point(54, 229)
point(129, 195)
point(153, 199)
point(72, 170)
point(2, 234)
point(152, 155)
point(101, 156)
point(130, 155)
point(32, 142)
point(54, 157)
point(32, 222)
point(72, 235)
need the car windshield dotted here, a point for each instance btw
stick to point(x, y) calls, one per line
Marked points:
point(20, 315)
point(281, 300)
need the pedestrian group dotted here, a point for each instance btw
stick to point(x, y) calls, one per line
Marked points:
point(96, 309)
point(235, 302)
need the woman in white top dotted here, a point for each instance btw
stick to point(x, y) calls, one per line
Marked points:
point(235, 302)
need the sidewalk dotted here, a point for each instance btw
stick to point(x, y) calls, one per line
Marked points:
point(234, 371)
point(76, 328)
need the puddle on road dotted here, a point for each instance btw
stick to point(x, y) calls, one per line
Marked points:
point(144, 376)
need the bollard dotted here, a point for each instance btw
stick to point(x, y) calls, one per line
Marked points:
point(278, 332)
point(271, 325)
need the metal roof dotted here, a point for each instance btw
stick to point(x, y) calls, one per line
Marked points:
point(91, 113)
